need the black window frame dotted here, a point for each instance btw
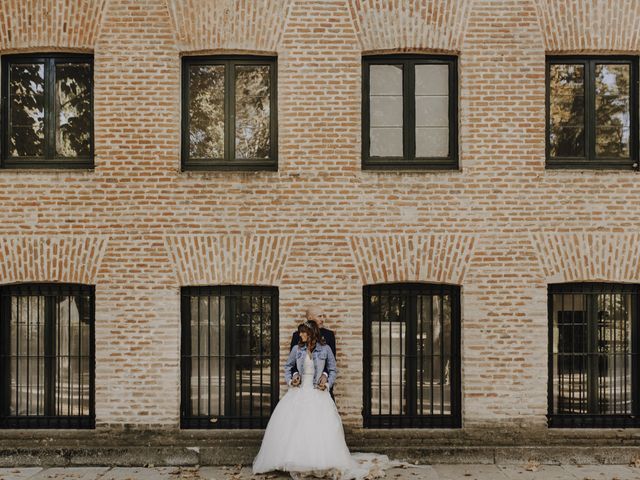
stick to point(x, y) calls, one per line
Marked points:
point(589, 420)
point(49, 420)
point(231, 418)
point(229, 162)
point(408, 161)
point(413, 419)
point(590, 161)
point(49, 160)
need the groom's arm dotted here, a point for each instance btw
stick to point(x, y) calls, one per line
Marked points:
point(330, 365)
point(330, 339)
point(290, 365)
point(295, 339)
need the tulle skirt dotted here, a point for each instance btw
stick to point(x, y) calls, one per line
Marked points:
point(304, 434)
point(305, 437)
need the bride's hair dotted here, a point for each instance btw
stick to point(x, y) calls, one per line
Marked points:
point(313, 333)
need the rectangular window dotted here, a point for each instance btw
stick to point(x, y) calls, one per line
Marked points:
point(229, 356)
point(229, 113)
point(412, 356)
point(593, 356)
point(47, 358)
point(409, 112)
point(47, 111)
point(592, 112)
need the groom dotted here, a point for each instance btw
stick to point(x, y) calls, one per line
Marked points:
point(315, 313)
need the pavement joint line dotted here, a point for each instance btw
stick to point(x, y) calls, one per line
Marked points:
point(402, 472)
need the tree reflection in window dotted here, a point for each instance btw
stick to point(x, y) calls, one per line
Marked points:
point(73, 110)
point(592, 111)
point(229, 112)
point(26, 117)
point(613, 116)
point(49, 108)
point(252, 112)
point(567, 110)
point(206, 111)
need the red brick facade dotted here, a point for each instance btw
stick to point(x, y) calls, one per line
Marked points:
point(502, 226)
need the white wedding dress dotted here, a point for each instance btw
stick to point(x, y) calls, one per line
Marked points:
point(305, 437)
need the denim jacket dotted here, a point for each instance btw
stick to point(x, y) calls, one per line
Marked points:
point(321, 354)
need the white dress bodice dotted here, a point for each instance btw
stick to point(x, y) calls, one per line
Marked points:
point(309, 370)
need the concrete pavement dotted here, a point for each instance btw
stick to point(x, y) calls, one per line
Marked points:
point(412, 472)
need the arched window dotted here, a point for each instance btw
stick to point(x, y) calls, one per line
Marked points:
point(593, 364)
point(229, 356)
point(411, 355)
point(47, 356)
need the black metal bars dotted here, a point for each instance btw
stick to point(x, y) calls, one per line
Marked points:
point(47, 356)
point(411, 356)
point(593, 359)
point(229, 359)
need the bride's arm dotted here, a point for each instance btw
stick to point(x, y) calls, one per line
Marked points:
point(331, 367)
point(288, 367)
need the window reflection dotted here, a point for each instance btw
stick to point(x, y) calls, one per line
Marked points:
point(26, 110)
point(253, 112)
point(591, 105)
point(613, 114)
point(566, 105)
point(73, 110)
point(206, 111)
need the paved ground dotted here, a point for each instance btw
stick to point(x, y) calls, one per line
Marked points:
point(421, 472)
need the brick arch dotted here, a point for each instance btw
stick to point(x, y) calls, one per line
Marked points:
point(410, 24)
point(253, 25)
point(591, 25)
point(51, 259)
point(228, 259)
point(401, 258)
point(589, 256)
point(50, 23)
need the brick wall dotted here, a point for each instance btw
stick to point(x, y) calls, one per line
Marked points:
point(319, 228)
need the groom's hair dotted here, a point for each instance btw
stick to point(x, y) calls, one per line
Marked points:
point(312, 310)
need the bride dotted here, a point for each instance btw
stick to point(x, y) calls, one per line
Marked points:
point(304, 434)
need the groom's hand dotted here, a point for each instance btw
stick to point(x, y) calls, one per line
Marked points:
point(322, 384)
point(295, 381)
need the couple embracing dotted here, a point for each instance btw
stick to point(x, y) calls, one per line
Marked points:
point(305, 435)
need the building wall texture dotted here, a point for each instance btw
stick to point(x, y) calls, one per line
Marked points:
point(502, 226)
